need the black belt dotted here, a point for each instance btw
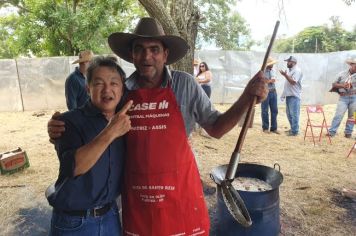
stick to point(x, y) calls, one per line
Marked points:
point(272, 90)
point(347, 94)
point(97, 211)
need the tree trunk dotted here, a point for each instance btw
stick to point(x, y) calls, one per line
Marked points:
point(180, 18)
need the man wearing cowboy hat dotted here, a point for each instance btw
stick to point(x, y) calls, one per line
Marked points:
point(292, 94)
point(271, 100)
point(345, 85)
point(162, 190)
point(75, 86)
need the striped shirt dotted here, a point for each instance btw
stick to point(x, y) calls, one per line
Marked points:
point(343, 77)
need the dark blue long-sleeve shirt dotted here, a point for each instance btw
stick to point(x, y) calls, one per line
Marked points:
point(75, 90)
point(102, 183)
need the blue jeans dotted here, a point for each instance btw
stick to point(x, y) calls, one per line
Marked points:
point(271, 103)
point(107, 225)
point(293, 112)
point(207, 89)
point(346, 103)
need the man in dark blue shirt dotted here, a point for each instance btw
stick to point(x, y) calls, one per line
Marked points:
point(75, 87)
point(91, 154)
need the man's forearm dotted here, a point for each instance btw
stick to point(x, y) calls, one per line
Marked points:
point(256, 87)
point(338, 85)
point(87, 155)
point(230, 118)
point(290, 80)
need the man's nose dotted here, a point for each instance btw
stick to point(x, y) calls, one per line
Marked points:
point(146, 53)
point(107, 87)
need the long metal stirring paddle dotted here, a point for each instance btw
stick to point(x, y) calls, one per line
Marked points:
point(231, 197)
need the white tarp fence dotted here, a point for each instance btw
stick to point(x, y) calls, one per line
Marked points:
point(35, 84)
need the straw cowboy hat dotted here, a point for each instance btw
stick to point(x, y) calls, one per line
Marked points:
point(147, 28)
point(271, 61)
point(84, 56)
point(351, 60)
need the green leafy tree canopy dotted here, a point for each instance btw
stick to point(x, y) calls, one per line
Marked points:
point(223, 27)
point(53, 28)
point(319, 39)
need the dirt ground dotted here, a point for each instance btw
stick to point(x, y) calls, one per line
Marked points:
point(310, 199)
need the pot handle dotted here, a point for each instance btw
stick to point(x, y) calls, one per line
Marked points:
point(279, 167)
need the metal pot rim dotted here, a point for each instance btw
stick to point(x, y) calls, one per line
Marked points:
point(218, 173)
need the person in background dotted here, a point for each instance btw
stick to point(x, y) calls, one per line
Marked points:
point(271, 101)
point(292, 94)
point(204, 78)
point(91, 153)
point(75, 88)
point(171, 102)
point(345, 86)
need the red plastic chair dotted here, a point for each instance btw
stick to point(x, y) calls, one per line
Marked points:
point(316, 120)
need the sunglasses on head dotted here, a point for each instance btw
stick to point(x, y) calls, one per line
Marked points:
point(202, 66)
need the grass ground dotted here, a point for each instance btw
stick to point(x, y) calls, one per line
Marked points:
point(310, 199)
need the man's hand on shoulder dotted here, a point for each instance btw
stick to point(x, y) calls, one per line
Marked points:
point(55, 127)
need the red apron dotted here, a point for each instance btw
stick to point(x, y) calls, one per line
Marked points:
point(162, 191)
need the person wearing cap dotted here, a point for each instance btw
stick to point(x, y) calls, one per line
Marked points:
point(345, 86)
point(75, 88)
point(162, 190)
point(292, 94)
point(91, 154)
point(271, 101)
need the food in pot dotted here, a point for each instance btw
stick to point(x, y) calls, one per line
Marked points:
point(251, 184)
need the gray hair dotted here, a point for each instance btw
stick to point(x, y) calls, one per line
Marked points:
point(104, 61)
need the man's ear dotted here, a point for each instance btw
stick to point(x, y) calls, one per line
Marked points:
point(87, 88)
point(166, 53)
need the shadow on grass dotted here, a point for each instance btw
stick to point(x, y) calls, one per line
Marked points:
point(33, 221)
point(348, 204)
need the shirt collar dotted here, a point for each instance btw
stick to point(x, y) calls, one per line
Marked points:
point(90, 110)
point(132, 84)
point(78, 72)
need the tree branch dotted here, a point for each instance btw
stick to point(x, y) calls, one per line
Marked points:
point(16, 4)
point(156, 9)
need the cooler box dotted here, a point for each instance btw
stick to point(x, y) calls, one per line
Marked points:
point(13, 161)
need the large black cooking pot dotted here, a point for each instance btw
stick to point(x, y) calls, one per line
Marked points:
point(262, 206)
